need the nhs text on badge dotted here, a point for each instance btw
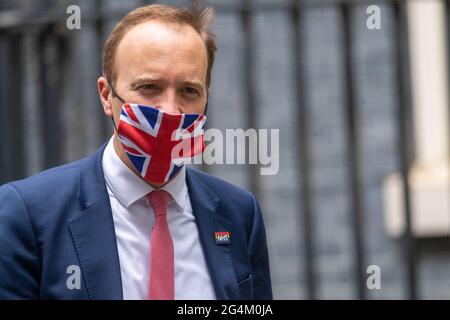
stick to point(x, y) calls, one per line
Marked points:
point(222, 237)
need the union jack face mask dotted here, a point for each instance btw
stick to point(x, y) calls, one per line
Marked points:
point(159, 143)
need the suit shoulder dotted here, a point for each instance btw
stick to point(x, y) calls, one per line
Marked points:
point(51, 180)
point(224, 189)
point(218, 183)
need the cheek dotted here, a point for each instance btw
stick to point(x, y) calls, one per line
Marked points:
point(200, 106)
point(197, 107)
point(116, 108)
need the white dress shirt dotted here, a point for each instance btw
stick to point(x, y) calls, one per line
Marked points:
point(133, 222)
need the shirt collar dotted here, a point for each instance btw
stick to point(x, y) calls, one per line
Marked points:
point(128, 188)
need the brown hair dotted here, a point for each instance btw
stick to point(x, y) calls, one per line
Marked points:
point(198, 17)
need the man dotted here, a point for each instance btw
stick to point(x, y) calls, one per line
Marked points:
point(130, 222)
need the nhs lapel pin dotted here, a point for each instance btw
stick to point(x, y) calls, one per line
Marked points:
point(222, 237)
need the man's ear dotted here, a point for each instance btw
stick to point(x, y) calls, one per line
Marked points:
point(104, 92)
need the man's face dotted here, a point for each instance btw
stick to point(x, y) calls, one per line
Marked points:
point(160, 65)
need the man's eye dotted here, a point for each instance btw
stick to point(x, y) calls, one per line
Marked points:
point(191, 91)
point(148, 87)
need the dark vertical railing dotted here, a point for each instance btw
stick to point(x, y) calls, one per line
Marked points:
point(50, 86)
point(4, 123)
point(249, 86)
point(15, 79)
point(404, 107)
point(4, 132)
point(353, 149)
point(303, 151)
point(11, 135)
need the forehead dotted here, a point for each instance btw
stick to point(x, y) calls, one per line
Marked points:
point(163, 49)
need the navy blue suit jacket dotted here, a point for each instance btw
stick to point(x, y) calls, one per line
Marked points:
point(62, 217)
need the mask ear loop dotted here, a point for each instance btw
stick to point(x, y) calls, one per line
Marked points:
point(206, 108)
point(114, 94)
point(114, 124)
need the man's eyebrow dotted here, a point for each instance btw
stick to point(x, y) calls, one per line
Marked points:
point(191, 82)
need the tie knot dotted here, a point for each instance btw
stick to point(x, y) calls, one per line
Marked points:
point(159, 201)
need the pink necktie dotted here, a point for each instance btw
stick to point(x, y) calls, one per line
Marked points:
point(162, 267)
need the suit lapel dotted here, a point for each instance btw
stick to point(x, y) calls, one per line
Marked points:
point(218, 257)
point(93, 233)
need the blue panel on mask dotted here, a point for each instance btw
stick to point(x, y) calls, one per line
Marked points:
point(138, 161)
point(151, 114)
point(188, 120)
